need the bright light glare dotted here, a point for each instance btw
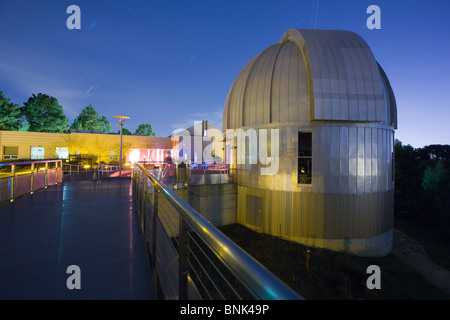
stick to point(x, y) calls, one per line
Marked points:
point(134, 155)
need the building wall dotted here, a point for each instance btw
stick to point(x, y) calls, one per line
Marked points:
point(350, 197)
point(347, 159)
point(84, 143)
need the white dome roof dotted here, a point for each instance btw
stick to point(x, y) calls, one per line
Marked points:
point(311, 75)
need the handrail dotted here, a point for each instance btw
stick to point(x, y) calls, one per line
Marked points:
point(260, 282)
point(16, 185)
point(4, 164)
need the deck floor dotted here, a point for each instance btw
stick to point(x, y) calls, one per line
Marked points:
point(91, 224)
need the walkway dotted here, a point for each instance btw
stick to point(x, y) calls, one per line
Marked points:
point(91, 224)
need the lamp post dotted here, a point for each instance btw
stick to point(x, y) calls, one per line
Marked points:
point(121, 122)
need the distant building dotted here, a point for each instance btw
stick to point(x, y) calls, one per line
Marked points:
point(17, 145)
point(201, 143)
point(334, 111)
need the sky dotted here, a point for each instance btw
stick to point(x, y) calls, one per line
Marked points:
point(170, 63)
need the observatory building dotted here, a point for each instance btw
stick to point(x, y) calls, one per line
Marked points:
point(329, 114)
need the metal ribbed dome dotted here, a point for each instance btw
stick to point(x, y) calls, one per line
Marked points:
point(311, 75)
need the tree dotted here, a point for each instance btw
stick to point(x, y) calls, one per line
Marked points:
point(422, 184)
point(105, 126)
point(408, 179)
point(9, 114)
point(76, 125)
point(145, 130)
point(125, 132)
point(44, 114)
point(88, 119)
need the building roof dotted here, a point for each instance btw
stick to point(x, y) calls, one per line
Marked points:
point(327, 75)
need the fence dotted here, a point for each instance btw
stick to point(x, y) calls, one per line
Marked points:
point(21, 178)
point(191, 259)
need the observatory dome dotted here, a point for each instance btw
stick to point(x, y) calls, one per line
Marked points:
point(327, 75)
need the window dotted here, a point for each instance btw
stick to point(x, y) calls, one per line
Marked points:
point(304, 157)
point(37, 153)
point(10, 153)
point(62, 153)
point(113, 155)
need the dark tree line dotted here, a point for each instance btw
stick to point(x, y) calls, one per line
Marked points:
point(43, 113)
point(422, 184)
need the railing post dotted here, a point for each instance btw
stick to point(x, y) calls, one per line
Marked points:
point(13, 182)
point(145, 214)
point(32, 178)
point(187, 177)
point(154, 227)
point(142, 192)
point(46, 175)
point(183, 260)
point(138, 194)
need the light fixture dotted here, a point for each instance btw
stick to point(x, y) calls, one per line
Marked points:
point(121, 123)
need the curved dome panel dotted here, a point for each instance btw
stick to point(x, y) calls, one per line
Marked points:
point(310, 75)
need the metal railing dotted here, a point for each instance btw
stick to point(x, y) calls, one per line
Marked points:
point(21, 178)
point(178, 176)
point(191, 259)
point(112, 170)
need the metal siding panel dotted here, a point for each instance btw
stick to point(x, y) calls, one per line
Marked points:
point(360, 160)
point(389, 159)
point(352, 157)
point(268, 85)
point(334, 160)
point(276, 86)
point(344, 160)
point(328, 78)
point(284, 86)
point(374, 160)
point(303, 103)
point(367, 160)
point(341, 75)
point(385, 160)
point(317, 83)
point(263, 88)
point(324, 159)
point(292, 83)
point(252, 94)
point(380, 160)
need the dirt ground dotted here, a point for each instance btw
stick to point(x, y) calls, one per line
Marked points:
point(411, 252)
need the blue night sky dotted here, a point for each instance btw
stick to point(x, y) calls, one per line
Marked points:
point(169, 63)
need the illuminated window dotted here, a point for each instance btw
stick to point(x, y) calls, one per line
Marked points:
point(304, 157)
point(10, 153)
point(113, 155)
point(62, 153)
point(37, 153)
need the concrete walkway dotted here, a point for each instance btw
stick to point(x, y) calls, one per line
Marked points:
point(90, 224)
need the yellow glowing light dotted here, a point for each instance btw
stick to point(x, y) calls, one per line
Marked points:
point(127, 164)
point(134, 155)
point(86, 166)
